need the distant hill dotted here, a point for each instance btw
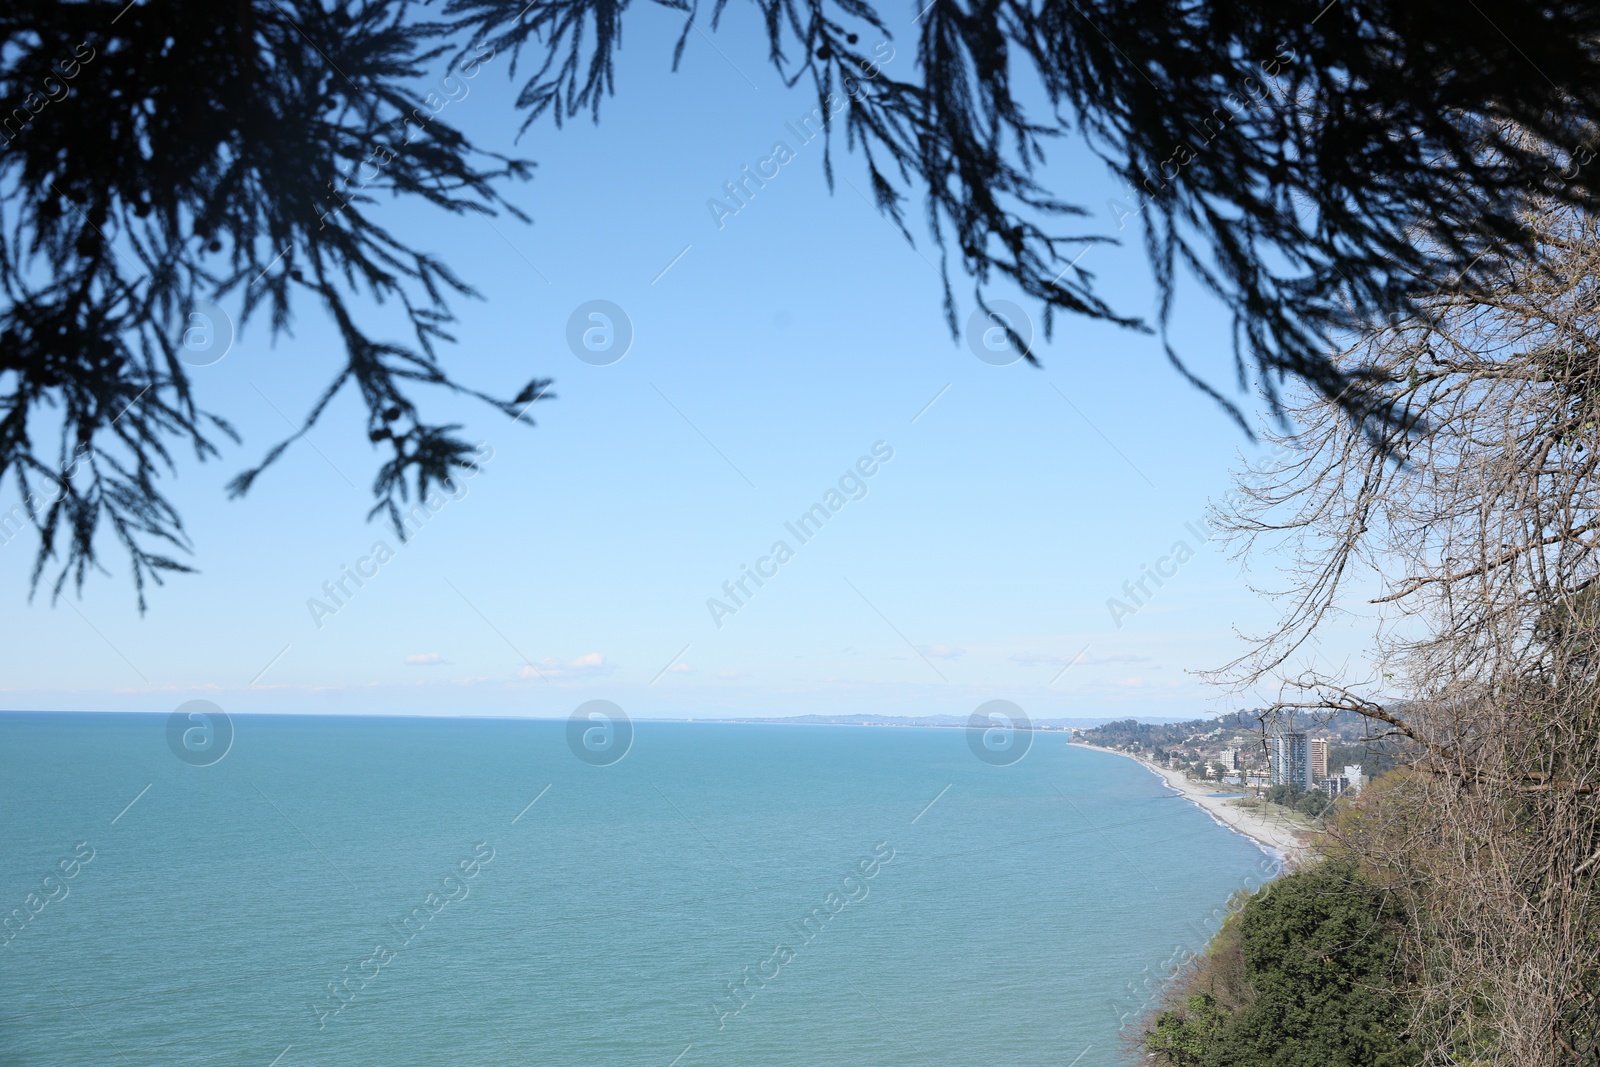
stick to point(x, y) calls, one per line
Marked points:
point(1346, 727)
point(1199, 740)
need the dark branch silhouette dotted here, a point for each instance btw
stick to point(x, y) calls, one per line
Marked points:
point(1314, 165)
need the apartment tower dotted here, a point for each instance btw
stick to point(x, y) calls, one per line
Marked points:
point(1319, 758)
point(1288, 756)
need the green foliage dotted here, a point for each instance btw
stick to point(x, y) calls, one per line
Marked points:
point(1161, 736)
point(1187, 1039)
point(1317, 952)
point(1311, 802)
point(1285, 795)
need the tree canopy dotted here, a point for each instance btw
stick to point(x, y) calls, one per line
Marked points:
point(1315, 165)
point(1305, 974)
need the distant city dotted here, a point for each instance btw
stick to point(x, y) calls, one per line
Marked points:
point(1335, 757)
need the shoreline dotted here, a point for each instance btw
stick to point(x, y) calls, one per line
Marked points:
point(1273, 835)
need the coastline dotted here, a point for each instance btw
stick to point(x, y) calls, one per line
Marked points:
point(1272, 834)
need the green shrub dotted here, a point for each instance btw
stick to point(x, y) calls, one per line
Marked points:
point(1304, 975)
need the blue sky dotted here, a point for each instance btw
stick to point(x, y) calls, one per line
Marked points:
point(768, 356)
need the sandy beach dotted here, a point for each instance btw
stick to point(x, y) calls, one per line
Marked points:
point(1273, 833)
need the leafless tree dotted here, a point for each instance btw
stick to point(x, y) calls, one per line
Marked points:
point(1458, 513)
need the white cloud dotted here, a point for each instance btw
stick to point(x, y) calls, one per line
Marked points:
point(943, 651)
point(425, 659)
point(552, 667)
point(680, 668)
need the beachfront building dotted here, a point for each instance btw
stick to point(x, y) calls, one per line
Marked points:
point(1319, 758)
point(1348, 782)
point(1289, 759)
point(1229, 758)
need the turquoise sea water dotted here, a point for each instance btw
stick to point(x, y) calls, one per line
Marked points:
point(724, 894)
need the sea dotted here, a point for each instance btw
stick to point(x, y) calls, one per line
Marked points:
point(278, 891)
